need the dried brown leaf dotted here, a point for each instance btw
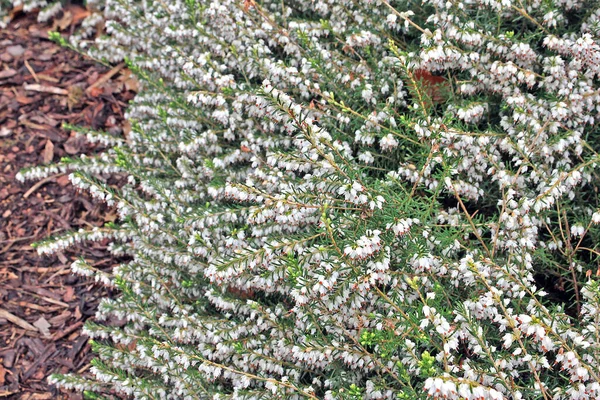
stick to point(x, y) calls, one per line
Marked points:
point(62, 23)
point(48, 152)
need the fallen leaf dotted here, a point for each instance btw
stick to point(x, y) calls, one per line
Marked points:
point(95, 91)
point(38, 376)
point(71, 146)
point(52, 50)
point(43, 326)
point(36, 32)
point(99, 27)
point(243, 294)
point(79, 13)
point(132, 84)
point(110, 217)
point(63, 180)
point(63, 22)
point(2, 374)
point(127, 347)
point(126, 130)
point(48, 153)
point(74, 96)
point(78, 314)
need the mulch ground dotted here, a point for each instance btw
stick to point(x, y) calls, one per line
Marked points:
point(42, 305)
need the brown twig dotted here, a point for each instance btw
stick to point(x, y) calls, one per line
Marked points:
point(39, 184)
point(104, 78)
point(31, 71)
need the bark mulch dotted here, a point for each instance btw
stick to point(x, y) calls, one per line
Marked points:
point(42, 305)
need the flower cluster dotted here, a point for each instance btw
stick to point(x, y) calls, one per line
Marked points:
point(365, 246)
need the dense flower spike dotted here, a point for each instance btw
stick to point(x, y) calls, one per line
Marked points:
point(350, 199)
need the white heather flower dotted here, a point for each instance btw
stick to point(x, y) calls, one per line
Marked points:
point(391, 20)
point(388, 142)
point(366, 157)
point(377, 202)
point(367, 93)
point(402, 226)
point(577, 230)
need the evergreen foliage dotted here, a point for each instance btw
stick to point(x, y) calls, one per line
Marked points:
point(350, 199)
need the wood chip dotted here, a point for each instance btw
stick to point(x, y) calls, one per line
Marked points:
point(60, 319)
point(37, 396)
point(72, 328)
point(35, 306)
point(16, 320)
point(9, 389)
point(43, 326)
point(35, 87)
point(33, 125)
point(47, 299)
point(47, 78)
point(8, 358)
point(7, 73)
point(4, 132)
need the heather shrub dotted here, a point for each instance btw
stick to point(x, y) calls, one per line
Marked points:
point(350, 199)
